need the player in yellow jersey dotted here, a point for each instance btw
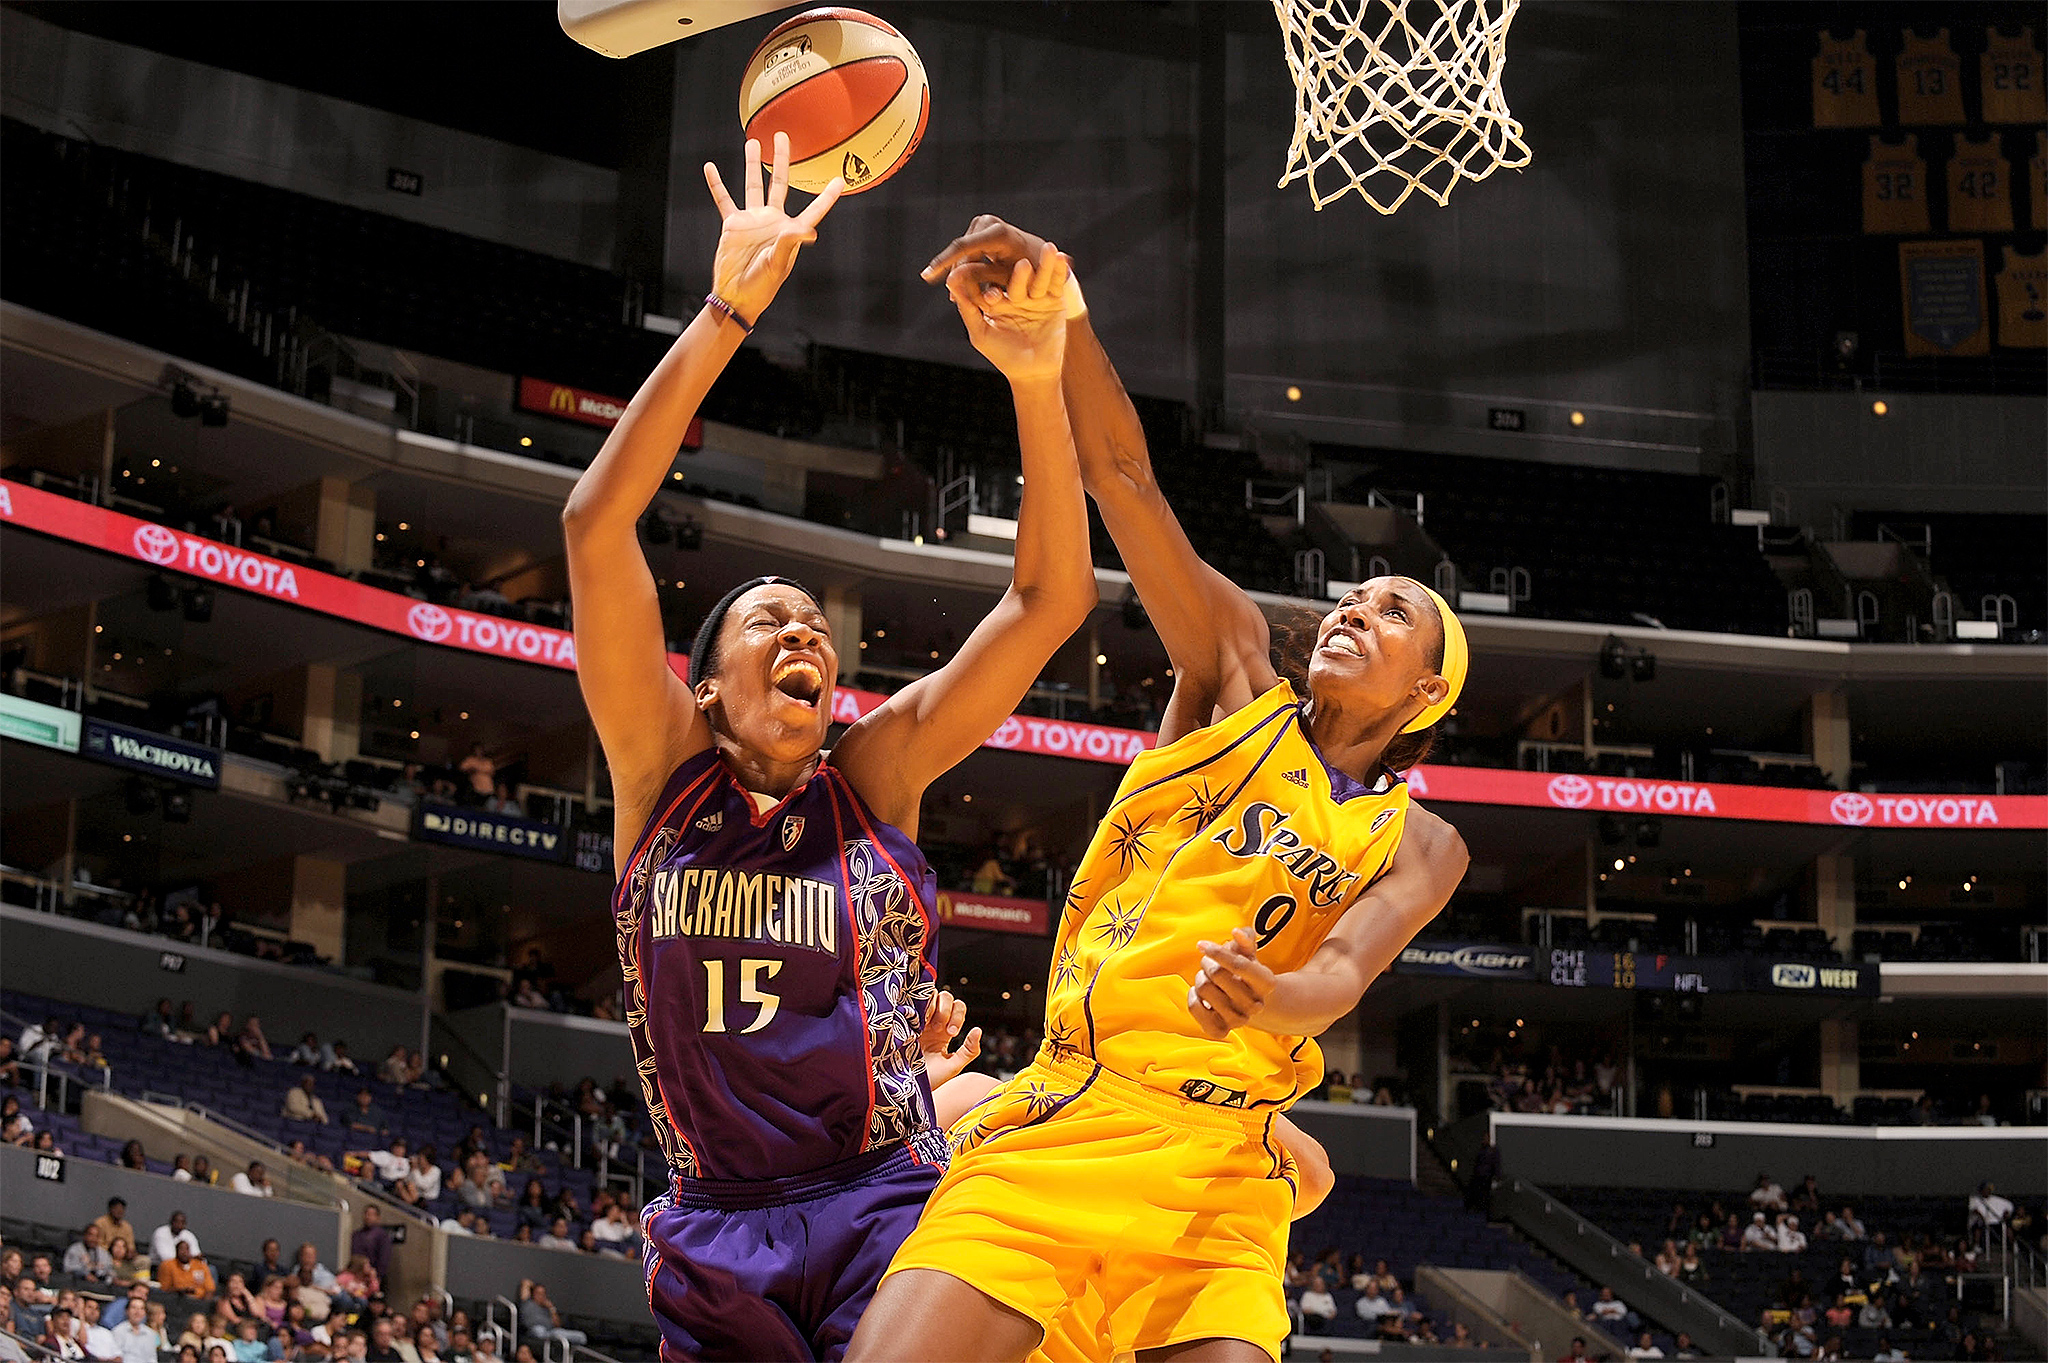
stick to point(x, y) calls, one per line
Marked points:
point(1126, 1193)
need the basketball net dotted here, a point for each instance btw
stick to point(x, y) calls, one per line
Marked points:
point(1395, 96)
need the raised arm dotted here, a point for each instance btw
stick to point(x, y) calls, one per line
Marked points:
point(645, 716)
point(1214, 634)
point(891, 755)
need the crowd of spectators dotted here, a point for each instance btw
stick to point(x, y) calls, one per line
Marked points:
point(118, 1297)
point(1556, 1083)
point(1383, 1302)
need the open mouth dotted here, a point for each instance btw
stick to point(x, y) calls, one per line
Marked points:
point(801, 681)
point(1341, 642)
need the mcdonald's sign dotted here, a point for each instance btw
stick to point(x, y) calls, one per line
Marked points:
point(997, 913)
point(590, 409)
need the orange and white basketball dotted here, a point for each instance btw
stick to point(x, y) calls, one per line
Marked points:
point(847, 88)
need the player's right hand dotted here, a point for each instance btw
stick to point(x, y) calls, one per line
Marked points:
point(988, 251)
point(1018, 318)
point(758, 244)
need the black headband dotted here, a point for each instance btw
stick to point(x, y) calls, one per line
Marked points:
point(704, 652)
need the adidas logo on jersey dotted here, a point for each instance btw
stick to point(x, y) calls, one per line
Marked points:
point(711, 823)
point(1298, 777)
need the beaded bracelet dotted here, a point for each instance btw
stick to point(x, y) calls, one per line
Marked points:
point(725, 309)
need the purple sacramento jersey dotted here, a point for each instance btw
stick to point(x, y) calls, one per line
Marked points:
point(778, 967)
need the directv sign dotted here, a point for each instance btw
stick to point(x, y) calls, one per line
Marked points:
point(483, 832)
point(140, 750)
point(1471, 961)
point(1809, 977)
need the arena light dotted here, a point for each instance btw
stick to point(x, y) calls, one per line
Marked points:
point(1880, 407)
point(1293, 393)
point(1578, 418)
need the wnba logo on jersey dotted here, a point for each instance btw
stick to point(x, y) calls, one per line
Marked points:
point(792, 831)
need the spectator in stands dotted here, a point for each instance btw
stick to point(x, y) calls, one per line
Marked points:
point(366, 1117)
point(1875, 1314)
point(251, 1039)
point(1578, 1351)
point(184, 1272)
point(359, 1281)
point(519, 1159)
point(1887, 1352)
point(88, 1257)
point(129, 1267)
point(133, 1156)
point(307, 1052)
point(1682, 1346)
point(425, 1178)
point(1372, 1303)
point(534, 1210)
point(161, 1023)
point(373, 1242)
point(1318, 1308)
point(15, 1126)
point(616, 1233)
point(37, 1043)
point(1692, 1271)
point(334, 1058)
point(1758, 1235)
point(1609, 1310)
point(392, 1069)
point(538, 1318)
point(202, 1171)
point(181, 1168)
point(30, 1307)
point(1767, 1196)
point(254, 1181)
point(1877, 1256)
point(1840, 1315)
point(296, 1148)
point(194, 1336)
point(1987, 1208)
point(302, 1102)
point(60, 1334)
point(167, 1237)
point(114, 1225)
point(1791, 1240)
point(1852, 1229)
point(479, 774)
point(557, 1235)
point(1645, 1347)
point(45, 1143)
point(381, 1347)
point(391, 1164)
point(132, 1336)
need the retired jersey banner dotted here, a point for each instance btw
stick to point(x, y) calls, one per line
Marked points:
point(995, 912)
point(158, 754)
point(1942, 283)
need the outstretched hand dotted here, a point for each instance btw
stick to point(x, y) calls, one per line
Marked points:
point(941, 1025)
point(758, 246)
point(1016, 316)
point(1232, 986)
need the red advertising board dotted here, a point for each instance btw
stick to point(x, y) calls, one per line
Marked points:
point(997, 913)
point(580, 404)
point(175, 551)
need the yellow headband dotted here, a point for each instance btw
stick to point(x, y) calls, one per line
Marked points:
point(1456, 655)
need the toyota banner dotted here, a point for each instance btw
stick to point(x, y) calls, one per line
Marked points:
point(394, 613)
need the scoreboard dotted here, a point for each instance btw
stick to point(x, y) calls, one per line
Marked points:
point(1595, 968)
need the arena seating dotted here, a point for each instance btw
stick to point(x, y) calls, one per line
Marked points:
point(1392, 1220)
point(1605, 545)
point(1748, 1284)
point(252, 1096)
point(1978, 555)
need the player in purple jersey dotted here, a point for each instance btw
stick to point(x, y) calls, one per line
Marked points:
point(774, 915)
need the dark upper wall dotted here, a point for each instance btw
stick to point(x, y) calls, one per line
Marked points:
point(1610, 271)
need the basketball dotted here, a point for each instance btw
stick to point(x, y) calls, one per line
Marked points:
point(847, 88)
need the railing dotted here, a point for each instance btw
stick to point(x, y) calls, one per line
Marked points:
point(1260, 500)
point(1588, 1249)
point(46, 1071)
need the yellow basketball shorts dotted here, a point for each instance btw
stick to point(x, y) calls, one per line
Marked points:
point(1118, 1216)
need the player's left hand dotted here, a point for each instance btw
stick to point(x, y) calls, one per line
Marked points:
point(941, 1025)
point(1016, 315)
point(1232, 986)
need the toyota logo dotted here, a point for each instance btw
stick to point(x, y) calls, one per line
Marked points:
point(1850, 807)
point(429, 622)
point(1573, 792)
point(156, 544)
point(1009, 736)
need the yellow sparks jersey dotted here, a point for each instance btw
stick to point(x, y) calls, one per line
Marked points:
point(2012, 78)
point(1894, 187)
point(2023, 300)
point(1236, 825)
point(1979, 199)
point(1930, 80)
point(1844, 83)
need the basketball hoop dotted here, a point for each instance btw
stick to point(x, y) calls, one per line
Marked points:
point(1395, 96)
